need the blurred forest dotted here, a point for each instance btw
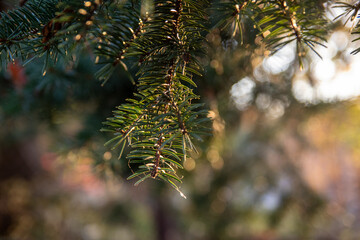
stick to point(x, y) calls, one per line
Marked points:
point(283, 161)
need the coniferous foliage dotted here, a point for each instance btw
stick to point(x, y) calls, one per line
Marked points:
point(279, 22)
point(163, 41)
point(351, 12)
point(21, 30)
point(161, 121)
point(287, 21)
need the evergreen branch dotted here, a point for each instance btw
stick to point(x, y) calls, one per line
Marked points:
point(130, 41)
point(21, 29)
point(166, 50)
point(351, 11)
point(116, 36)
point(236, 12)
point(60, 33)
point(348, 9)
point(286, 21)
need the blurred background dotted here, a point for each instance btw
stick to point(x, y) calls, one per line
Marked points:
point(283, 161)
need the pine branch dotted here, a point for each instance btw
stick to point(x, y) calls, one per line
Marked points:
point(279, 21)
point(119, 28)
point(21, 29)
point(351, 13)
point(236, 13)
point(167, 49)
point(286, 21)
point(56, 28)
